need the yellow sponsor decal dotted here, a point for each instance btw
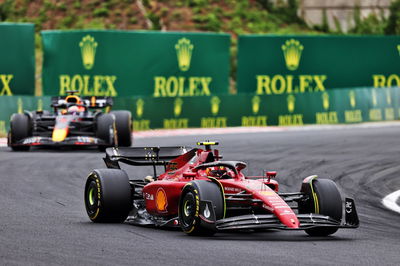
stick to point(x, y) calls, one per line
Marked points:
point(59, 134)
point(142, 124)
point(20, 105)
point(380, 81)
point(290, 120)
point(291, 101)
point(326, 118)
point(389, 113)
point(214, 122)
point(215, 101)
point(353, 116)
point(292, 50)
point(88, 51)
point(267, 193)
point(139, 108)
point(87, 85)
point(254, 121)
point(5, 84)
point(375, 114)
point(288, 84)
point(178, 106)
point(175, 123)
point(181, 86)
point(352, 99)
point(255, 104)
point(325, 100)
point(184, 50)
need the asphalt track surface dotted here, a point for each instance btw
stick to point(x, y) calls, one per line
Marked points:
point(43, 219)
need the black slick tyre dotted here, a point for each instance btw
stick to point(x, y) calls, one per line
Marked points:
point(108, 197)
point(105, 130)
point(20, 128)
point(326, 200)
point(123, 124)
point(190, 210)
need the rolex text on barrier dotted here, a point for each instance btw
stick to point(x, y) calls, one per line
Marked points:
point(17, 63)
point(129, 63)
point(335, 106)
point(276, 65)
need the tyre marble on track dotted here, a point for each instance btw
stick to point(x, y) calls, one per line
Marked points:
point(43, 220)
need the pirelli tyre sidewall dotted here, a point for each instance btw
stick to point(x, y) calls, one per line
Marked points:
point(107, 196)
point(189, 207)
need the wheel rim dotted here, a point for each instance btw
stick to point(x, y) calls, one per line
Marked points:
point(188, 208)
point(91, 197)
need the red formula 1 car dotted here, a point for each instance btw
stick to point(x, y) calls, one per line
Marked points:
point(203, 194)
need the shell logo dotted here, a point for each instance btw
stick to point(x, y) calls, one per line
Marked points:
point(161, 200)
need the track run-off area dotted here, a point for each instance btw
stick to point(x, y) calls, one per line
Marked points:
point(43, 218)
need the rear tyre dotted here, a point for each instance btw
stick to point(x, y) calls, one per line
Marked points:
point(327, 201)
point(123, 124)
point(189, 207)
point(20, 128)
point(108, 197)
point(105, 130)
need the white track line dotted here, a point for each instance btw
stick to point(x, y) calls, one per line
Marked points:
point(390, 201)
point(203, 131)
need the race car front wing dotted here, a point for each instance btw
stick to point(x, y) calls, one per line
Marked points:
point(310, 220)
point(69, 141)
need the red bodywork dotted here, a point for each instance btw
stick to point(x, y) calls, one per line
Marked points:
point(162, 196)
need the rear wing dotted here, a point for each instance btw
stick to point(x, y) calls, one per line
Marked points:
point(142, 156)
point(89, 101)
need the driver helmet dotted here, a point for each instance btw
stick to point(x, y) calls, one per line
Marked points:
point(73, 99)
point(217, 171)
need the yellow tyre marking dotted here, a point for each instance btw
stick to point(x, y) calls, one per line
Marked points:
point(315, 197)
point(222, 191)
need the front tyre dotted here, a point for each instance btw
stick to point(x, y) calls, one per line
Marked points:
point(192, 216)
point(123, 124)
point(324, 198)
point(108, 197)
point(20, 128)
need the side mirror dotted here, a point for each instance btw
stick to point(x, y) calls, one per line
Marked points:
point(270, 174)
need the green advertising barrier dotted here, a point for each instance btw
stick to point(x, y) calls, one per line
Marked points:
point(17, 59)
point(17, 104)
point(273, 65)
point(337, 106)
point(129, 63)
point(329, 107)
